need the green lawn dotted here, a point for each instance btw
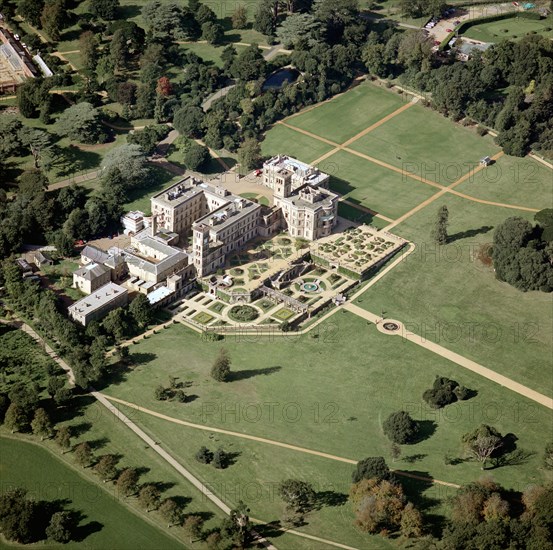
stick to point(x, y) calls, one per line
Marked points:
point(345, 383)
point(285, 141)
point(448, 291)
point(509, 29)
point(255, 474)
point(425, 143)
point(356, 110)
point(28, 465)
point(375, 187)
point(207, 52)
point(513, 180)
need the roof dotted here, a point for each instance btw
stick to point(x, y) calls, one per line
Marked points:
point(228, 214)
point(94, 253)
point(42, 256)
point(91, 271)
point(288, 165)
point(468, 47)
point(159, 294)
point(98, 299)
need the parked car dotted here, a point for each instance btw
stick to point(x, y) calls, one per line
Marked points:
point(437, 42)
point(449, 30)
point(258, 172)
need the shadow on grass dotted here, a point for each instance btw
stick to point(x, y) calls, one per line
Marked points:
point(426, 430)
point(469, 233)
point(245, 374)
point(141, 358)
point(330, 499)
point(128, 12)
point(411, 459)
point(72, 160)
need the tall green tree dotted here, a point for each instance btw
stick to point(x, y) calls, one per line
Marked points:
point(221, 367)
point(439, 231)
point(42, 425)
point(82, 123)
point(54, 18)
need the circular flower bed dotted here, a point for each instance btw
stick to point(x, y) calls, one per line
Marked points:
point(243, 313)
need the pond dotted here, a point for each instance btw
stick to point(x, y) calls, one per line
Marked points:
point(277, 79)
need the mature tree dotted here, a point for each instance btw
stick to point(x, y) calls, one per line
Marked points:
point(212, 32)
point(106, 9)
point(373, 467)
point(249, 154)
point(141, 310)
point(237, 527)
point(30, 10)
point(196, 156)
point(545, 219)
point(61, 526)
point(336, 16)
point(54, 18)
point(298, 27)
point(548, 456)
point(467, 505)
point(32, 184)
point(83, 454)
point(63, 437)
point(88, 47)
point(127, 482)
point(411, 522)
point(220, 459)
point(149, 497)
point(76, 225)
point(443, 392)
point(204, 455)
point(106, 467)
point(131, 162)
point(42, 425)
point(171, 512)
point(40, 145)
point(15, 418)
point(192, 526)
point(249, 64)
point(119, 50)
point(188, 121)
point(439, 231)
point(377, 505)
point(400, 428)
point(221, 367)
point(265, 18)
point(240, 17)
point(18, 515)
point(62, 396)
point(482, 443)
point(81, 122)
point(298, 495)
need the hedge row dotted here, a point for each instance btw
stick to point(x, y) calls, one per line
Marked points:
point(491, 18)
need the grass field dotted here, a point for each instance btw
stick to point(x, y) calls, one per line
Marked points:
point(207, 52)
point(356, 110)
point(509, 29)
point(450, 297)
point(46, 477)
point(513, 180)
point(327, 408)
point(375, 187)
point(285, 141)
point(426, 144)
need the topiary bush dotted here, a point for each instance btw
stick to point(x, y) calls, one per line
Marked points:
point(243, 313)
point(400, 428)
point(444, 392)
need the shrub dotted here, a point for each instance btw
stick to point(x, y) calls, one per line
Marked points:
point(204, 455)
point(400, 428)
point(481, 131)
point(220, 459)
point(461, 393)
point(371, 467)
point(442, 393)
point(243, 313)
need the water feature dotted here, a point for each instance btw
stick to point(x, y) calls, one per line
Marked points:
point(277, 79)
point(310, 287)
